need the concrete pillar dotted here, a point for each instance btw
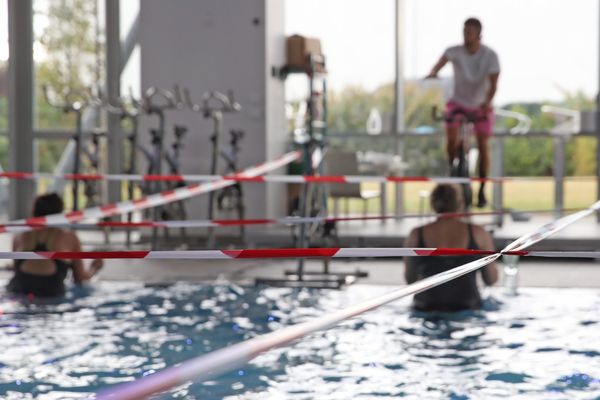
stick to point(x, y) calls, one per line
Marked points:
point(113, 91)
point(20, 104)
point(399, 123)
point(220, 45)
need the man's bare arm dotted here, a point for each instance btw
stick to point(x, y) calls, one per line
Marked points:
point(493, 78)
point(489, 273)
point(410, 272)
point(437, 67)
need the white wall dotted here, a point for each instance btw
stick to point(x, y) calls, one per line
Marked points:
point(220, 45)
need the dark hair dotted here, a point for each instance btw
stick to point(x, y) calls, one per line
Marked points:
point(445, 198)
point(474, 22)
point(47, 204)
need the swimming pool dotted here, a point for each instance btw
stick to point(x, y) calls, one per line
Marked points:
point(541, 344)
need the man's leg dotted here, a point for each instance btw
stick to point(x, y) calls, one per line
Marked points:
point(452, 144)
point(484, 164)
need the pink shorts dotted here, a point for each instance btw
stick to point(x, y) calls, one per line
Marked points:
point(484, 128)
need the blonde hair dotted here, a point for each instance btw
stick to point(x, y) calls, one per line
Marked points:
point(446, 198)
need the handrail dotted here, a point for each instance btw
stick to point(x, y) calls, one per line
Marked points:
point(523, 120)
point(572, 123)
point(439, 133)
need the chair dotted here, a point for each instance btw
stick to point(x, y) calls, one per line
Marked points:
point(345, 163)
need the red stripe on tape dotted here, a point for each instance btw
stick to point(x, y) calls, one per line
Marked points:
point(75, 216)
point(176, 178)
point(16, 175)
point(311, 178)
point(462, 252)
point(140, 202)
point(232, 253)
point(242, 178)
point(109, 209)
point(36, 221)
point(423, 252)
point(84, 177)
point(169, 194)
point(282, 253)
point(516, 252)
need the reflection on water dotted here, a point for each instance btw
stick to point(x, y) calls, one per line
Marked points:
point(542, 344)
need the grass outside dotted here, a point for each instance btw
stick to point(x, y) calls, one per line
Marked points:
point(521, 195)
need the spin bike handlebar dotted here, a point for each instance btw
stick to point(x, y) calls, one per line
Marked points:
point(99, 99)
point(457, 115)
point(226, 102)
point(149, 102)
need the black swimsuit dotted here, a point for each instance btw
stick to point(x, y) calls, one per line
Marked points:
point(40, 285)
point(459, 294)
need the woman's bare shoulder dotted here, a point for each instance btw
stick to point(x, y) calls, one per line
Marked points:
point(479, 230)
point(65, 238)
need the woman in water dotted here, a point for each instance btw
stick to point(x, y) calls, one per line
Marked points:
point(45, 278)
point(451, 232)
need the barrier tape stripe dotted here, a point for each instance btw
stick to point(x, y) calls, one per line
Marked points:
point(268, 178)
point(550, 228)
point(326, 252)
point(156, 199)
point(225, 359)
point(20, 227)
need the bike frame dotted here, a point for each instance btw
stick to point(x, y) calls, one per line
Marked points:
point(77, 107)
point(460, 165)
point(213, 105)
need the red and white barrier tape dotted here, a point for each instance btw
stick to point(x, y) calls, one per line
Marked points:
point(550, 228)
point(20, 227)
point(209, 365)
point(268, 178)
point(157, 199)
point(322, 252)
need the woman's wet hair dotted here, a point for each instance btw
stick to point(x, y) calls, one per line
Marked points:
point(446, 198)
point(47, 204)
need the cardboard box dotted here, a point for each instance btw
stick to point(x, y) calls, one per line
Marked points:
point(298, 48)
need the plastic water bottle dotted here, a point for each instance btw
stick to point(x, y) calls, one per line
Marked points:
point(299, 120)
point(511, 274)
point(374, 124)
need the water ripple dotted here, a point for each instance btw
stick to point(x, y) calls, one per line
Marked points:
point(117, 332)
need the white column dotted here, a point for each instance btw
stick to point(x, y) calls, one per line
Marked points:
point(220, 45)
point(20, 104)
point(113, 91)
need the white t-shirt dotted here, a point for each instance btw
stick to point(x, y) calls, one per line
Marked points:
point(471, 73)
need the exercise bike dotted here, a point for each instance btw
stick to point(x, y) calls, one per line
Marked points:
point(459, 167)
point(231, 198)
point(155, 102)
point(175, 210)
point(212, 106)
point(72, 103)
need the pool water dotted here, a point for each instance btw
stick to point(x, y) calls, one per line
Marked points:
point(543, 343)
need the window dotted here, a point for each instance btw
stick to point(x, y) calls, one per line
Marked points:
point(68, 56)
point(357, 39)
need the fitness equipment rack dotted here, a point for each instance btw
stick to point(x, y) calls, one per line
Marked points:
point(212, 106)
point(313, 200)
